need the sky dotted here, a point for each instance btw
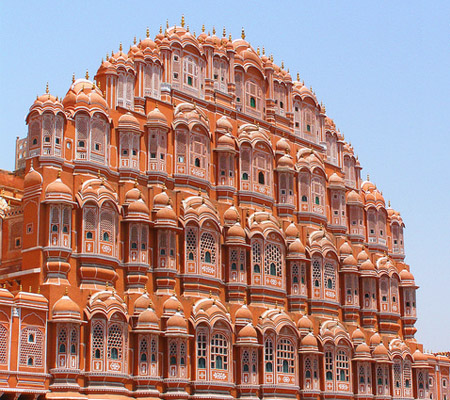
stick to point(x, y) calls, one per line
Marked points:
point(382, 68)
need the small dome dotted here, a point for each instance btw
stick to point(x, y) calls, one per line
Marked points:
point(285, 161)
point(177, 323)
point(296, 247)
point(419, 356)
point(309, 340)
point(66, 308)
point(405, 275)
point(32, 178)
point(368, 186)
point(367, 266)
point(236, 232)
point(148, 320)
point(354, 198)
point(172, 305)
point(224, 124)
point(335, 181)
point(304, 323)
point(248, 334)
point(58, 190)
point(345, 249)
point(231, 215)
point(283, 146)
point(156, 118)
point(138, 207)
point(362, 348)
point(142, 303)
point(358, 335)
point(133, 195)
point(161, 199)
point(362, 256)
point(166, 214)
point(291, 231)
point(226, 141)
point(243, 313)
point(349, 261)
point(380, 350)
point(375, 339)
point(128, 121)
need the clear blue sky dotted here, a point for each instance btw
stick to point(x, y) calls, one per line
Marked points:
point(380, 67)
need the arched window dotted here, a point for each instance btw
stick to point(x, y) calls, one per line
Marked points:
point(219, 352)
point(285, 356)
point(201, 349)
point(342, 366)
point(268, 355)
point(261, 179)
point(329, 365)
point(273, 269)
point(208, 248)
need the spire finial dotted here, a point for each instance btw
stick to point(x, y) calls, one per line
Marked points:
point(298, 77)
point(98, 174)
point(134, 40)
point(210, 294)
point(257, 51)
point(46, 88)
point(282, 64)
point(203, 28)
point(20, 288)
point(107, 286)
point(87, 74)
point(66, 291)
point(229, 38)
point(243, 33)
point(271, 57)
point(224, 32)
point(368, 177)
point(59, 173)
point(182, 21)
point(389, 203)
point(167, 24)
point(214, 30)
point(187, 28)
point(135, 182)
point(120, 46)
point(264, 51)
point(160, 29)
point(73, 77)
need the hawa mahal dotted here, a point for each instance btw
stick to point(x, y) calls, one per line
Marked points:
point(191, 225)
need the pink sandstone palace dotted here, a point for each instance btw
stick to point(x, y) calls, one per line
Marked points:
point(192, 225)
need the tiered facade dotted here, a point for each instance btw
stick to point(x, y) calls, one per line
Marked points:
point(191, 225)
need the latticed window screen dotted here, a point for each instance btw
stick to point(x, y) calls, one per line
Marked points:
point(407, 374)
point(31, 347)
point(329, 365)
point(330, 276)
point(272, 258)
point(397, 374)
point(74, 341)
point(115, 342)
point(154, 350)
point(245, 165)
point(285, 356)
point(107, 225)
point(342, 368)
point(15, 235)
point(143, 350)
point(181, 146)
point(4, 336)
point(98, 339)
point(268, 355)
point(173, 353)
point(256, 255)
point(34, 134)
point(219, 352)
point(90, 220)
point(208, 244)
point(182, 353)
point(62, 340)
point(245, 361)
point(191, 244)
point(98, 139)
point(317, 273)
point(201, 349)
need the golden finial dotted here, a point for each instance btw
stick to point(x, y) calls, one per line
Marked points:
point(199, 192)
point(120, 46)
point(182, 21)
point(167, 24)
point(145, 289)
point(46, 88)
point(179, 308)
point(59, 174)
point(39, 290)
point(214, 30)
point(243, 33)
point(245, 299)
point(298, 77)
point(98, 174)
point(368, 177)
point(174, 29)
point(210, 294)
point(98, 85)
point(66, 291)
point(164, 187)
point(288, 71)
point(282, 64)
point(187, 28)
point(29, 289)
point(271, 57)
point(229, 38)
point(135, 182)
point(73, 78)
point(203, 28)
point(107, 286)
point(93, 85)
point(103, 181)
point(257, 51)
point(224, 32)
point(87, 74)
point(389, 203)
point(134, 40)
point(160, 29)
point(264, 51)
point(20, 287)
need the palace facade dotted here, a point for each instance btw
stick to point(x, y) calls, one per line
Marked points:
point(192, 225)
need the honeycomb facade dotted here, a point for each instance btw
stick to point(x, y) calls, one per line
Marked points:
point(191, 225)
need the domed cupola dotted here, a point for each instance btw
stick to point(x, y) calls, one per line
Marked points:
point(66, 310)
point(156, 119)
point(235, 234)
point(58, 192)
point(32, 178)
point(247, 336)
point(223, 125)
point(148, 321)
point(129, 123)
